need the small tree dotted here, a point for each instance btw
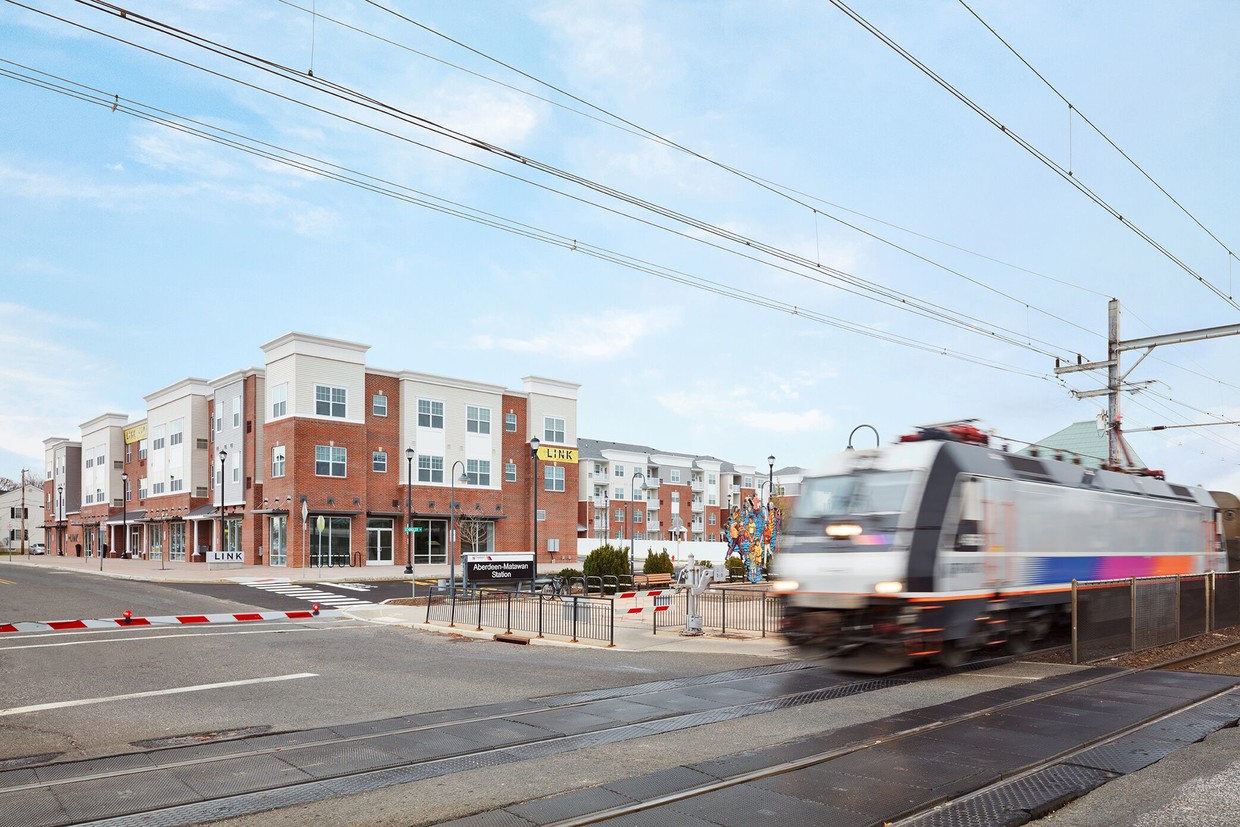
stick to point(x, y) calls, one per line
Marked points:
point(657, 562)
point(473, 530)
point(606, 560)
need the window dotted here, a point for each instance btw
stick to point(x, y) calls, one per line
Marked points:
point(711, 519)
point(430, 414)
point(175, 484)
point(619, 518)
point(90, 462)
point(378, 405)
point(236, 409)
point(142, 489)
point(141, 449)
point(430, 469)
point(128, 454)
point(553, 430)
point(329, 401)
point(176, 541)
point(157, 442)
point(236, 474)
point(176, 432)
point(510, 422)
point(599, 470)
point(553, 478)
point(619, 472)
point(675, 475)
point(157, 488)
point(617, 494)
point(478, 471)
point(477, 420)
point(637, 515)
point(219, 416)
point(746, 482)
point(553, 545)
point(101, 459)
point(378, 462)
point(277, 461)
point(279, 401)
point(510, 472)
point(710, 479)
point(329, 461)
point(277, 553)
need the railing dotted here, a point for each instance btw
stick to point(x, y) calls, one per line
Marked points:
point(1114, 617)
point(575, 617)
point(723, 611)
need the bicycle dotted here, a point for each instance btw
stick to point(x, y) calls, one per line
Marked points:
point(556, 587)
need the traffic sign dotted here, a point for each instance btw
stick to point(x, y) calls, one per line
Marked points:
point(413, 529)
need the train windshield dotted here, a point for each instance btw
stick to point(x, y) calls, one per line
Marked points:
point(869, 492)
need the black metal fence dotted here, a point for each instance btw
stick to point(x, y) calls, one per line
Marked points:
point(1115, 617)
point(723, 611)
point(575, 617)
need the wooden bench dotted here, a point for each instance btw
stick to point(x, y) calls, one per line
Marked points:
point(647, 581)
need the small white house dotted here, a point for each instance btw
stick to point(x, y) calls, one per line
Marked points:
point(14, 506)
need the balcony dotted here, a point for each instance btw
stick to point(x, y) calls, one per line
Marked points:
point(696, 486)
point(697, 507)
point(652, 525)
point(600, 502)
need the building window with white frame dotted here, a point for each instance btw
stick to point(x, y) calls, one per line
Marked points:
point(157, 440)
point(279, 401)
point(674, 475)
point(141, 449)
point(175, 485)
point(330, 461)
point(157, 489)
point(553, 430)
point(510, 422)
point(277, 461)
point(510, 472)
point(330, 401)
point(637, 515)
point(553, 545)
point(478, 471)
point(176, 432)
point(619, 472)
point(236, 411)
point(378, 405)
point(378, 462)
point(430, 469)
point(746, 482)
point(617, 494)
point(553, 478)
point(128, 454)
point(477, 419)
point(430, 414)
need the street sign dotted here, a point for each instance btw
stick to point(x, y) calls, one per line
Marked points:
point(413, 529)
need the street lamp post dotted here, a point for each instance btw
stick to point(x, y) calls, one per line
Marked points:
point(60, 515)
point(408, 511)
point(452, 529)
point(219, 544)
point(770, 477)
point(632, 539)
point(534, 443)
point(125, 515)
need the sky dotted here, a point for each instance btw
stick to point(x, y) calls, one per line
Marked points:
point(745, 228)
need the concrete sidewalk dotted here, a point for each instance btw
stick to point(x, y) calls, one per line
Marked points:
point(629, 636)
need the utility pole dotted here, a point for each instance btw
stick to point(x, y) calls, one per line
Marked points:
point(23, 485)
point(1116, 379)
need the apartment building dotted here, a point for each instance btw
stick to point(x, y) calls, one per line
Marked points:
point(21, 519)
point(62, 491)
point(317, 459)
point(638, 492)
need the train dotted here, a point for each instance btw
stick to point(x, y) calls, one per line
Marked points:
point(942, 544)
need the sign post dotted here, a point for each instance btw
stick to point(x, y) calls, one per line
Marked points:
point(413, 578)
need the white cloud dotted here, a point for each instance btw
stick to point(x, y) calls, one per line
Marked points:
point(603, 41)
point(605, 336)
point(755, 405)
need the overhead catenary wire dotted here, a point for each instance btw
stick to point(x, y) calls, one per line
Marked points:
point(834, 277)
point(1024, 144)
point(341, 174)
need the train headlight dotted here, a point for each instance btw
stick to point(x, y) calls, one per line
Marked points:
point(842, 531)
point(784, 586)
point(889, 587)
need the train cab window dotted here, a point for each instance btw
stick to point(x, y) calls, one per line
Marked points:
point(876, 492)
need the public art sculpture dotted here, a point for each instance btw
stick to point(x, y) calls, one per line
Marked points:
point(752, 533)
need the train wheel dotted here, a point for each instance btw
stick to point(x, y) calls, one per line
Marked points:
point(953, 654)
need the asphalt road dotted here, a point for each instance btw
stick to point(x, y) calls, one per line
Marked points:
point(86, 693)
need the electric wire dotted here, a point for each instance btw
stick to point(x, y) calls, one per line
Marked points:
point(1049, 162)
point(341, 174)
point(1098, 131)
point(892, 298)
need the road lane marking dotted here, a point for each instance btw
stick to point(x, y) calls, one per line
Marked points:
point(18, 710)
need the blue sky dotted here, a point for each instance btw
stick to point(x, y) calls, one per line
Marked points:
point(135, 255)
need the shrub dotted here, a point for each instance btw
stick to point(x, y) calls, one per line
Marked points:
point(606, 560)
point(570, 573)
point(657, 562)
point(736, 568)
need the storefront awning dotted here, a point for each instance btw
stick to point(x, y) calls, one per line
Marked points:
point(135, 516)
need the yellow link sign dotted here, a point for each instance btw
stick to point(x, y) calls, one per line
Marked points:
point(548, 453)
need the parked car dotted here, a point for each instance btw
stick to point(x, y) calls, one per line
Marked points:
point(38, 548)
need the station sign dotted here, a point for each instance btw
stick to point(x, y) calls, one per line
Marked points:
point(498, 568)
point(136, 433)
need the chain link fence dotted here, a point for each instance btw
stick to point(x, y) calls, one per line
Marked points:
point(1117, 617)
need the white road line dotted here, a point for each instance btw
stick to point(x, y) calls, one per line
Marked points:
point(18, 710)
